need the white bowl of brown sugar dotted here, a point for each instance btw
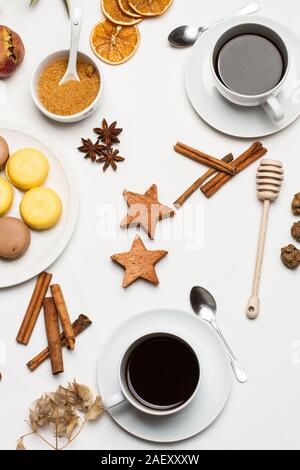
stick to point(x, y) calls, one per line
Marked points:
point(73, 101)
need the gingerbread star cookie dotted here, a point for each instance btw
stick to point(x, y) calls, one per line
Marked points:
point(139, 263)
point(145, 211)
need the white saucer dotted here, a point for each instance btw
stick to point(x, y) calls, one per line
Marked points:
point(229, 118)
point(213, 392)
point(46, 246)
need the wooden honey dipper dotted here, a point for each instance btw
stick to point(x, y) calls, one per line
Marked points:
point(269, 178)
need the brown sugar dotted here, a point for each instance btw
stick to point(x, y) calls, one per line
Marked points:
point(72, 97)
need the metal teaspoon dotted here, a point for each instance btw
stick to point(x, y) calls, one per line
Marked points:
point(205, 307)
point(185, 36)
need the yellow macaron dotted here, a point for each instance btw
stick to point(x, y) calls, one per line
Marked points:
point(41, 208)
point(6, 196)
point(27, 168)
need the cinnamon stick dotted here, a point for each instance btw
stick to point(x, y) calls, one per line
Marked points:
point(53, 335)
point(187, 194)
point(255, 152)
point(79, 326)
point(244, 157)
point(205, 159)
point(34, 308)
point(64, 316)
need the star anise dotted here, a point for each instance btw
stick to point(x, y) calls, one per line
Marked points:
point(108, 134)
point(91, 150)
point(110, 158)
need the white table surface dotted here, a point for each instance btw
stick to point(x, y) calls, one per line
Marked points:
point(147, 97)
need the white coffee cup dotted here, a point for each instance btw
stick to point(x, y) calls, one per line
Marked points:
point(268, 100)
point(124, 394)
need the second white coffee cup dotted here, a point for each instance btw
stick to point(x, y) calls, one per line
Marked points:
point(125, 394)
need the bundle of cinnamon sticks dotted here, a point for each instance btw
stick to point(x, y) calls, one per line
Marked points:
point(55, 310)
point(221, 171)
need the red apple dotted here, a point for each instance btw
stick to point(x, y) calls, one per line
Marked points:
point(12, 51)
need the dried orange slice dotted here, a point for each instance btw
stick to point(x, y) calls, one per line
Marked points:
point(113, 12)
point(114, 44)
point(126, 8)
point(150, 7)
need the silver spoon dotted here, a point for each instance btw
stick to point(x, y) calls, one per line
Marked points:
point(204, 305)
point(185, 36)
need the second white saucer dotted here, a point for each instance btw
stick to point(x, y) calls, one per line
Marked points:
point(213, 392)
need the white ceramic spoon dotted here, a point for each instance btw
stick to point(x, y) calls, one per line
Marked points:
point(76, 23)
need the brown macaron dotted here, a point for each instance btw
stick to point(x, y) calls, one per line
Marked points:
point(4, 153)
point(15, 238)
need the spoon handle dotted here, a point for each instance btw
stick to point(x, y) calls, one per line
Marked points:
point(237, 368)
point(76, 19)
point(76, 24)
point(248, 9)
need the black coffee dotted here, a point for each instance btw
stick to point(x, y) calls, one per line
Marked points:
point(250, 64)
point(162, 372)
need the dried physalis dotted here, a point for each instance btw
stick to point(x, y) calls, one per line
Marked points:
point(296, 204)
point(296, 231)
point(290, 257)
point(64, 411)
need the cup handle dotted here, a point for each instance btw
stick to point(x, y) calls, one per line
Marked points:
point(113, 401)
point(274, 109)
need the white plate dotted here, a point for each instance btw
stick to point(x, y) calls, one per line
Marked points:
point(213, 392)
point(46, 246)
point(227, 117)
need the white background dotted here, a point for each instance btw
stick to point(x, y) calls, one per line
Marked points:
point(147, 97)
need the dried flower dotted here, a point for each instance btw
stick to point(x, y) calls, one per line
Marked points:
point(71, 426)
point(81, 396)
point(41, 412)
point(60, 410)
point(95, 410)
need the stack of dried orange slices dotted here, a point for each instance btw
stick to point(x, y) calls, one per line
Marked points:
point(116, 38)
